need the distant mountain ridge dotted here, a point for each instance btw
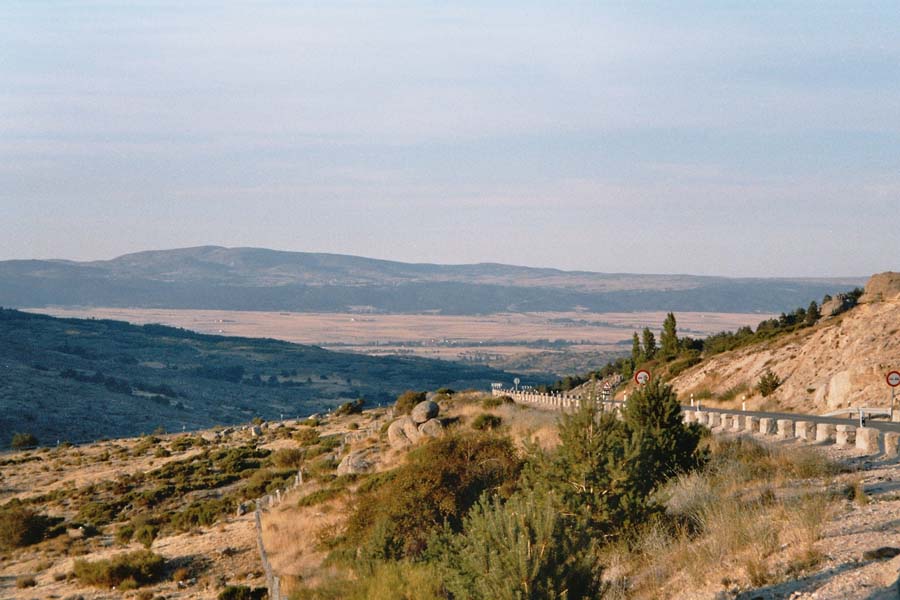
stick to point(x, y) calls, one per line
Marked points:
point(213, 277)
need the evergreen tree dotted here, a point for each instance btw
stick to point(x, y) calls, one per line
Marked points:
point(649, 344)
point(524, 548)
point(663, 446)
point(668, 339)
point(637, 353)
point(812, 313)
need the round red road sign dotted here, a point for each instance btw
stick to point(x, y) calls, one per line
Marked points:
point(893, 378)
point(642, 377)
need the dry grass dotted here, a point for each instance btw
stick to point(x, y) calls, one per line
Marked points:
point(743, 521)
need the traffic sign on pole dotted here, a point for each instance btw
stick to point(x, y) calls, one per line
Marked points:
point(642, 377)
point(893, 378)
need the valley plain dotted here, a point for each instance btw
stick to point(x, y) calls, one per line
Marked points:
point(557, 343)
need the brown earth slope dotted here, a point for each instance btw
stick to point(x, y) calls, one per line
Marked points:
point(840, 362)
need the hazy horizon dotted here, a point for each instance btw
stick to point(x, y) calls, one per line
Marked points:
point(710, 139)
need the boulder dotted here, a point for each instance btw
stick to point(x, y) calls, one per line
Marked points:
point(424, 411)
point(881, 287)
point(355, 463)
point(838, 304)
point(431, 428)
point(255, 431)
point(403, 432)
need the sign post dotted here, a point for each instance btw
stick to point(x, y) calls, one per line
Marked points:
point(516, 382)
point(893, 380)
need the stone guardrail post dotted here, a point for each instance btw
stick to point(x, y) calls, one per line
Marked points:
point(804, 430)
point(714, 420)
point(726, 421)
point(785, 429)
point(867, 439)
point(845, 436)
point(702, 417)
point(892, 443)
point(737, 423)
point(751, 424)
point(767, 426)
point(824, 432)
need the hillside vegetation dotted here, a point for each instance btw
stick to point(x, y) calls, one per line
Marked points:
point(83, 379)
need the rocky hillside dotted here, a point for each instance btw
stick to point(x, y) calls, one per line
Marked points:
point(840, 362)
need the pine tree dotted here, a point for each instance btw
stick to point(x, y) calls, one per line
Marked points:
point(668, 339)
point(813, 313)
point(637, 353)
point(662, 444)
point(649, 344)
point(525, 548)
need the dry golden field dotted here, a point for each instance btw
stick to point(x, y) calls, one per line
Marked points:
point(489, 338)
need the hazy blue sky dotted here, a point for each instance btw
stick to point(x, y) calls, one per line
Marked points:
point(745, 138)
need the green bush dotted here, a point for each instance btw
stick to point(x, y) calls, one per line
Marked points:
point(524, 548)
point(486, 421)
point(768, 383)
point(201, 513)
point(495, 401)
point(23, 440)
point(20, 526)
point(242, 592)
point(438, 484)
point(407, 401)
point(132, 569)
point(353, 407)
point(145, 533)
point(605, 470)
point(307, 437)
point(98, 513)
point(288, 458)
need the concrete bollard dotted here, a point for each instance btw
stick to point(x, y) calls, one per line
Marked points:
point(867, 439)
point(751, 424)
point(805, 430)
point(824, 432)
point(737, 422)
point(785, 429)
point(715, 419)
point(767, 426)
point(845, 436)
point(688, 416)
point(702, 417)
point(892, 443)
point(726, 422)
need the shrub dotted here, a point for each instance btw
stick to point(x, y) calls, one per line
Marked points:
point(768, 383)
point(486, 421)
point(242, 592)
point(145, 533)
point(407, 401)
point(201, 513)
point(350, 408)
point(307, 437)
point(23, 440)
point(124, 534)
point(126, 570)
point(20, 526)
point(524, 548)
point(495, 401)
point(25, 581)
point(438, 484)
point(319, 496)
point(288, 458)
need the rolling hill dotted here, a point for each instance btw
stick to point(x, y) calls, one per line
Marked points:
point(83, 379)
point(212, 277)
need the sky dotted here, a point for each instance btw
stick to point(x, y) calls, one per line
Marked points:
point(721, 138)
